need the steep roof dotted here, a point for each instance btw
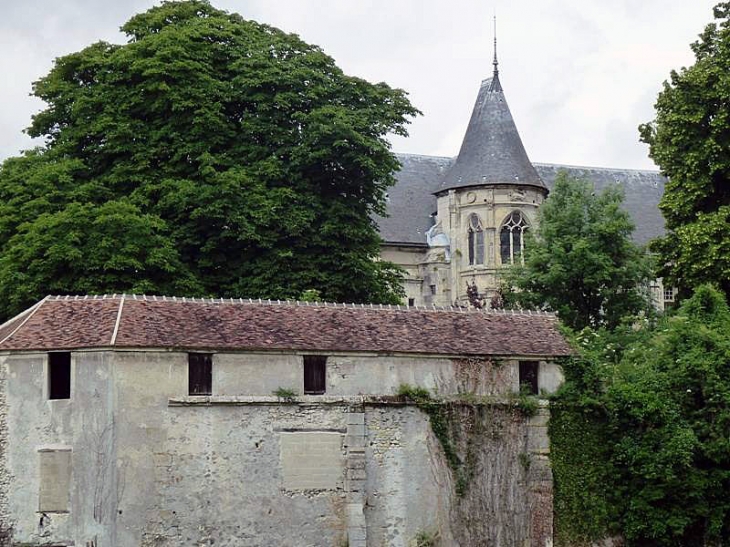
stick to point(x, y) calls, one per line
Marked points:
point(642, 192)
point(411, 204)
point(411, 201)
point(72, 323)
point(492, 151)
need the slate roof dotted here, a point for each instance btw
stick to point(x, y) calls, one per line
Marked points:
point(72, 323)
point(492, 151)
point(411, 202)
point(642, 192)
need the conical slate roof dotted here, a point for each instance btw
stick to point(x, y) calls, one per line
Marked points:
point(492, 151)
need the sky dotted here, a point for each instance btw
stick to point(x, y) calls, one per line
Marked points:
point(579, 75)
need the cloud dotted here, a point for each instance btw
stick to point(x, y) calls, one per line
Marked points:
point(578, 74)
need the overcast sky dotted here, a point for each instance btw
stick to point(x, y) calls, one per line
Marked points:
point(579, 75)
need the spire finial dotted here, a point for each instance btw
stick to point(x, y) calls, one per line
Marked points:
point(495, 62)
point(495, 86)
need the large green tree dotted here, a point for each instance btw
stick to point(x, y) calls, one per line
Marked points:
point(690, 141)
point(580, 260)
point(640, 434)
point(208, 155)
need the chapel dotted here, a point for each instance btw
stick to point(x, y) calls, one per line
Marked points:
point(458, 222)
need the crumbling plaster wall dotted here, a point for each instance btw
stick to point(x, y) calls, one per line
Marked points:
point(5, 477)
point(83, 424)
point(154, 467)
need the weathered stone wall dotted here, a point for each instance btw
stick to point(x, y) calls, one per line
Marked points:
point(5, 478)
point(152, 466)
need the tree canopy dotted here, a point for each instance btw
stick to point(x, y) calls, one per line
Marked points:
point(690, 141)
point(640, 433)
point(580, 261)
point(209, 155)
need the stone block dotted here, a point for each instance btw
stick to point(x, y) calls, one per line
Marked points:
point(311, 460)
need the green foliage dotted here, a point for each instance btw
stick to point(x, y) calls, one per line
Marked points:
point(285, 394)
point(426, 539)
point(640, 434)
point(237, 160)
point(526, 402)
point(690, 142)
point(581, 262)
point(439, 418)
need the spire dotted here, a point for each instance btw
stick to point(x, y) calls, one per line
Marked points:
point(495, 85)
point(492, 151)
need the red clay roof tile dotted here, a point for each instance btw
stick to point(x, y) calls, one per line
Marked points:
point(194, 324)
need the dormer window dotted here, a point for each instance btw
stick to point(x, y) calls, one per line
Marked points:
point(512, 239)
point(476, 240)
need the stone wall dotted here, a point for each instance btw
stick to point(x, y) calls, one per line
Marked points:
point(5, 478)
point(155, 467)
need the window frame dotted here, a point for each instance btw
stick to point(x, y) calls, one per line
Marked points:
point(514, 223)
point(475, 240)
point(314, 374)
point(529, 375)
point(200, 373)
point(59, 388)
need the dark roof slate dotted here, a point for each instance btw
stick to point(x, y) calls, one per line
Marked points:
point(71, 323)
point(642, 192)
point(492, 151)
point(411, 201)
point(411, 204)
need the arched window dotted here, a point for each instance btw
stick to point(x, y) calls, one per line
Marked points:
point(476, 240)
point(512, 239)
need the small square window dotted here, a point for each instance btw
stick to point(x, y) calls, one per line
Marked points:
point(669, 294)
point(315, 374)
point(200, 374)
point(528, 377)
point(411, 301)
point(59, 375)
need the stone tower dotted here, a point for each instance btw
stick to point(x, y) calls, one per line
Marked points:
point(488, 198)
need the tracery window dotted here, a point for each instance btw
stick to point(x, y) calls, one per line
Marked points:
point(476, 240)
point(512, 239)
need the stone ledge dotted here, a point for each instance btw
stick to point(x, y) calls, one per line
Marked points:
point(335, 400)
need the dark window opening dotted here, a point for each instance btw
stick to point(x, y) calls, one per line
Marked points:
point(528, 377)
point(200, 374)
point(315, 374)
point(411, 301)
point(59, 375)
point(433, 289)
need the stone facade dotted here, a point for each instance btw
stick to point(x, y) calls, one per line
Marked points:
point(436, 200)
point(128, 457)
point(150, 465)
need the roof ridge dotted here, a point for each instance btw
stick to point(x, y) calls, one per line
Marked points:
point(293, 303)
point(595, 168)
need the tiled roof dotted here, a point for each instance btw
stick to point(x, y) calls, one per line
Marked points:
point(68, 323)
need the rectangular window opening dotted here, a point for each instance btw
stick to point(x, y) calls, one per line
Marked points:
point(200, 374)
point(528, 377)
point(59, 375)
point(315, 374)
point(411, 301)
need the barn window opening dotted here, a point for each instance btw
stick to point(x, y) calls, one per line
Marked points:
point(528, 377)
point(59, 375)
point(200, 374)
point(315, 374)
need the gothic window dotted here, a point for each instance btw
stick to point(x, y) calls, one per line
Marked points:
point(476, 240)
point(512, 239)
